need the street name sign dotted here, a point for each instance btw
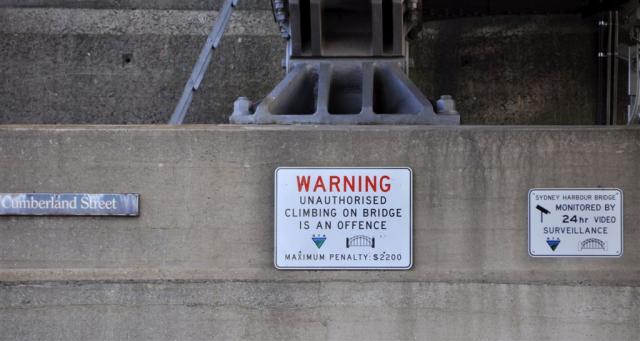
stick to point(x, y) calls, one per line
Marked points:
point(343, 219)
point(69, 204)
point(576, 223)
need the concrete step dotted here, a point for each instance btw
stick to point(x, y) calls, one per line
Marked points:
point(115, 64)
point(135, 4)
point(317, 311)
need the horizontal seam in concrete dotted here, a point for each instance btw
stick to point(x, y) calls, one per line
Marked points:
point(318, 128)
point(257, 281)
point(530, 25)
point(131, 22)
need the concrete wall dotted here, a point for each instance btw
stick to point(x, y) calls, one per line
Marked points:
point(116, 62)
point(127, 66)
point(134, 4)
point(512, 70)
point(317, 311)
point(197, 264)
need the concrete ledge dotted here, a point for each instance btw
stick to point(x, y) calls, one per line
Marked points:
point(133, 4)
point(317, 311)
point(60, 21)
point(207, 199)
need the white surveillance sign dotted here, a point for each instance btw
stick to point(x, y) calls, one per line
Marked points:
point(575, 223)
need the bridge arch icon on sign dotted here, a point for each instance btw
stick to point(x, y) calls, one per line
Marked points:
point(361, 241)
point(593, 244)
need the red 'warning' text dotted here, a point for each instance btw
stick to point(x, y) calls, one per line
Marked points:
point(338, 184)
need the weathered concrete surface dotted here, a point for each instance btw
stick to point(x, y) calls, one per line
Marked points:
point(197, 264)
point(133, 4)
point(512, 70)
point(317, 311)
point(127, 61)
point(117, 66)
point(207, 199)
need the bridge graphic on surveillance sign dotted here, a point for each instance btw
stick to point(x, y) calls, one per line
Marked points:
point(343, 219)
point(576, 223)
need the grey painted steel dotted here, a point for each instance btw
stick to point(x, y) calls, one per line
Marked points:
point(446, 105)
point(69, 204)
point(611, 51)
point(199, 70)
point(208, 199)
point(344, 62)
point(280, 10)
point(331, 91)
point(631, 54)
point(337, 28)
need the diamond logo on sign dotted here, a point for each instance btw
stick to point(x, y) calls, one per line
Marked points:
point(319, 241)
point(575, 223)
point(553, 243)
point(356, 218)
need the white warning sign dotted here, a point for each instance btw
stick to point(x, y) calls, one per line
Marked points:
point(575, 223)
point(343, 218)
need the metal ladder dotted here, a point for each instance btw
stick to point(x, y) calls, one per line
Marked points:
point(199, 70)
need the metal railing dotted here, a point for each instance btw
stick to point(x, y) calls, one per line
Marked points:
point(199, 70)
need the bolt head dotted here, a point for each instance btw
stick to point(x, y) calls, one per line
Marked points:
point(242, 106)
